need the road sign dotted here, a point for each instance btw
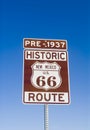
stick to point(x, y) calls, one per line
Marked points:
point(45, 71)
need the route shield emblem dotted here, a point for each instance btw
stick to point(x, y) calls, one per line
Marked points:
point(46, 75)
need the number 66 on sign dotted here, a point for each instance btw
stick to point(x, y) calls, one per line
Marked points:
point(46, 75)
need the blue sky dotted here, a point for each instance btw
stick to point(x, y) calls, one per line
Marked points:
point(50, 19)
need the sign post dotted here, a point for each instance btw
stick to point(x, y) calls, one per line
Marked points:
point(46, 119)
point(45, 73)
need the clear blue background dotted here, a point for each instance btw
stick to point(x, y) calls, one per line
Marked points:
point(50, 19)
